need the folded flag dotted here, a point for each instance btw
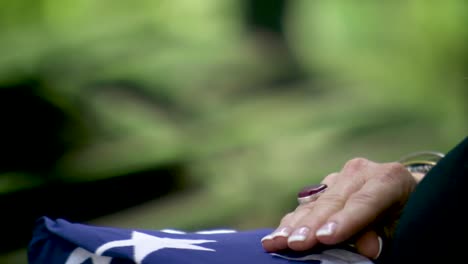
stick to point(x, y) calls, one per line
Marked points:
point(62, 242)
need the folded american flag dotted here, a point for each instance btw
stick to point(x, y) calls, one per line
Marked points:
point(60, 241)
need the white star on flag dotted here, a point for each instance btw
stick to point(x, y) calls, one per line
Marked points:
point(145, 244)
point(80, 255)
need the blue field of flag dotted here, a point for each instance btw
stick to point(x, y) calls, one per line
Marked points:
point(62, 242)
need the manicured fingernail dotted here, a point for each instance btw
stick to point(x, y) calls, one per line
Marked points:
point(299, 234)
point(380, 247)
point(267, 237)
point(282, 232)
point(327, 229)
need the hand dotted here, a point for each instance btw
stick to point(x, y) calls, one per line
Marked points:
point(355, 207)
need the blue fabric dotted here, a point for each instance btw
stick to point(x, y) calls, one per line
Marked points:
point(60, 241)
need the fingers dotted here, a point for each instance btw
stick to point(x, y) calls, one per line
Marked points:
point(365, 206)
point(315, 219)
point(296, 228)
point(278, 240)
point(355, 198)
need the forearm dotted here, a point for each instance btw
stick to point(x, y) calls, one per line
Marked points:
point(432, 226)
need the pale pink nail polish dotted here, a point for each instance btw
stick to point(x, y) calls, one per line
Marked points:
point(282, 232)
point(267, 237)
point(299, 234)
point(327, 229)
point(380, 247)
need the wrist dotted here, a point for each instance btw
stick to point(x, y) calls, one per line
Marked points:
point(420, 163)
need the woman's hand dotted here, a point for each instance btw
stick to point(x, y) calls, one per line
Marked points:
point(355, 207)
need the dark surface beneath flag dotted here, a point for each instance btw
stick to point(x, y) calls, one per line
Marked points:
point(80, 201)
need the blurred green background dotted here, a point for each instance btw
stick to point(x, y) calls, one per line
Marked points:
point(228, 107)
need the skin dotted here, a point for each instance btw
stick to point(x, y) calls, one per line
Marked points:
point(361, 202)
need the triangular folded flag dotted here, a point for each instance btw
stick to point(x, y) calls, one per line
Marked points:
point(62, 242)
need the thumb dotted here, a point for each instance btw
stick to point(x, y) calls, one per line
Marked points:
point(369, 244)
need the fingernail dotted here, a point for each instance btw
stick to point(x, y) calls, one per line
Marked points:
point(282, 232)
point(267, 237)
point(327, 229)
point(299, 234)
point(380, 247)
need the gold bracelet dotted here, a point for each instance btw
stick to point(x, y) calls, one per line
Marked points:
point(422, 161)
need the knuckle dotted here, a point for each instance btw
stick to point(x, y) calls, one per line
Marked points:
point(395, 171)
point(356, 164)
point(404, 175)
point(331, 176)
point(306, 207)
point(331, 200)
point(396, 167)
point(395, 174)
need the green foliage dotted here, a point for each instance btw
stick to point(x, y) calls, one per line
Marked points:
point(409, 52)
